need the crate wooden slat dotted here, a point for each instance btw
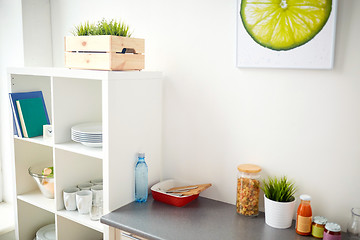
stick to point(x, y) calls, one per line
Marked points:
point(104, 52)
point(105, 61)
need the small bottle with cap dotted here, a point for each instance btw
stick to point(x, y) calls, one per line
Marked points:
point(141, 179)
point(332, 231)
point(318, 226)
point(304, 216)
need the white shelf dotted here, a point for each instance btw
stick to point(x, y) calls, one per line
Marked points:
point(83, 219)
point(85, 74)
point(117, 99)
point(37, 199)
point(37, 140)
point(80, 149)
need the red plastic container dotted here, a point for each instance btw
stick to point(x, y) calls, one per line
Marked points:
point(158, 193)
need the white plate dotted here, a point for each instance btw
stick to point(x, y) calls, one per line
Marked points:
point(85, 133)
point(76, 136)
point(90, 127)
point(100, 142)
point(95, 145)
point(46, 233)
point(86, 140)
point(89, 138)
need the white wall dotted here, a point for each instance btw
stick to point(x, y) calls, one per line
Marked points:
point(37, 40)
point(25, 40)
point(11, 54)
point(302, 123)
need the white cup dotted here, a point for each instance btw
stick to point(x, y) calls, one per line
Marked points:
point(97, 191)
point(84, 201)
point(69, 195)
point(85, 186)
point(96, 209)
point(97, 181)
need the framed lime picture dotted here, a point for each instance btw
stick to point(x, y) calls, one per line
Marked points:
point(286, 33)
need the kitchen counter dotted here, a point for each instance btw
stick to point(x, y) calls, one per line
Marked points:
point(203, 218)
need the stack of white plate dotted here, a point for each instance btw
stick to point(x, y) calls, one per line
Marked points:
point(89, 134)
point(46, 233)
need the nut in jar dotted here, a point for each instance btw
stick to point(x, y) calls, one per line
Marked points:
point(248, 189)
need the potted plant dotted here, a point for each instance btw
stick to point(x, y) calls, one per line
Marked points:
point(106, 45)
point(279, 201)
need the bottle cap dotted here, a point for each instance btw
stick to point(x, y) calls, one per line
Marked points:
point(320, 220)
point(305, 197)
point(141, 155)
point(333, 227)
point(249, 168)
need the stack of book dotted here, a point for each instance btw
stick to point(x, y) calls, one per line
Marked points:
point(29, 113)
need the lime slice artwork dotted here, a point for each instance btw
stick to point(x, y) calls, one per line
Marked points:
point(283, 25)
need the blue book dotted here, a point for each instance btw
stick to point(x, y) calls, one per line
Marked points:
point(24, 95)
point(14, 126)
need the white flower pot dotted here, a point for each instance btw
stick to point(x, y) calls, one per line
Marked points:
point(279, 214)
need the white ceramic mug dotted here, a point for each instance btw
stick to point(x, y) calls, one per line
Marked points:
point(69, 195)
point(84, 201)
point(85, 186)
point(97, 181)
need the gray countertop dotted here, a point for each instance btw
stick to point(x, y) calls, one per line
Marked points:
point(202, 218)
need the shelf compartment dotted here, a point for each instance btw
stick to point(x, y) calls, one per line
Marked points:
point(83, 219)
point(28, 154)
point(36, 198)
point(68, 229)
point(27, 83)
point(80, 149)
point(31, 218)
point(75, 101)
point(72, 169)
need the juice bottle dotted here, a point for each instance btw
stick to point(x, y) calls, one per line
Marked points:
point(304, 216)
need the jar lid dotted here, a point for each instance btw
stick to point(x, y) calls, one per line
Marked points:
point(249, 168)
point(305, 197)
point(333, 227)
point(320, 220)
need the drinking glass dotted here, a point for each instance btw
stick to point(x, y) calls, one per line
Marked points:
point(353, 227)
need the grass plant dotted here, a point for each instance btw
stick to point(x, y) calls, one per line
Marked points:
point(279, 189)
point(103, 27)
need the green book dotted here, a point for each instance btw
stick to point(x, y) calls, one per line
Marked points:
point(32, 116)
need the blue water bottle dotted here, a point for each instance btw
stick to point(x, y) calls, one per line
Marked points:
point(141, 179)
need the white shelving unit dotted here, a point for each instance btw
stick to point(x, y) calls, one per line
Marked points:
point(129, 105)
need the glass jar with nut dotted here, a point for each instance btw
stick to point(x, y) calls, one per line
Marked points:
point(248, 189)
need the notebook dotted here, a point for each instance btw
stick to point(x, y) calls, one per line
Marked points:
point(23, 95)
point(32, 116)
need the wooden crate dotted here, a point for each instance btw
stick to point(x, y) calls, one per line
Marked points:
point(104, 52)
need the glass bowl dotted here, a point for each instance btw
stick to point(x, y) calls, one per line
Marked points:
point(44, 182)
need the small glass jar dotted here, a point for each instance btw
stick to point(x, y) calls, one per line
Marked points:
point(332, 231)
point(318, 226)
point(248, 189)
point(353, 227)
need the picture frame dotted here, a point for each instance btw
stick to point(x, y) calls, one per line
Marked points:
point(316, 53)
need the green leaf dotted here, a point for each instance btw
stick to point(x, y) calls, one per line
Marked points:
point(102, 27)
point(279, 189)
